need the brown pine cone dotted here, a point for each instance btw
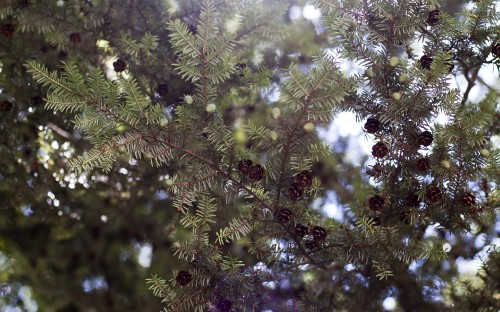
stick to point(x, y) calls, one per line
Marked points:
point(433, 17)
point(411, 199)
point(255, 172)
point(380, 150)
point(304, 179)
point(425, 138)
point(376, 203)
point(183, 278)
point(75, 38)
point(423, 164)
point(283, 215)
point(426, 61)
point(119, 65)
point(244, 165)
point(301, 230)
point(468, 199)
point(496, 50)
point(434, 194)
point(372, 125)
point(311, 244)
point(295, 191)
point(318, 233)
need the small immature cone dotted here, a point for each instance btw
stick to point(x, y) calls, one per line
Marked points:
point(372, 125)
point(423, 164)
point(284, 215)
point(376, 203)
point(379, 150)
point(256, 172)
point(433, 17)
point(425, 138)
point(119, 65)
point(240, 66)
point(183, 278)
point(468, 199)
point(295, 191)
point(311, 244)
point(434, 194)
point(301, 230)
point(426, 61)
point(244, 165)
point(318, 233)
point(304, 179)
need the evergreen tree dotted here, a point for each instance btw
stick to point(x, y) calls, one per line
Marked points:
point(184, 92)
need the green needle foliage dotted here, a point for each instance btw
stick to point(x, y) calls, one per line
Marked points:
point(243, 172)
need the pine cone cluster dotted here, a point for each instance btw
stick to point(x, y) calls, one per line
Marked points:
point(253, 171)
point(423, 164)
point(302, 180)
point(372, 125)
point(433, 17)
point(75, 38)
point(7, 29)
point(376, 203)
point(183, 278)
point(468, 199)
point(379, 150)
point(295, 191)
point(119, 65)
point(318, 233)
point(425, 138)
point(426, 61)
point(224, 305)
point(496, 50)
point(283, 215)
point(301, 230)
point(434, 194)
